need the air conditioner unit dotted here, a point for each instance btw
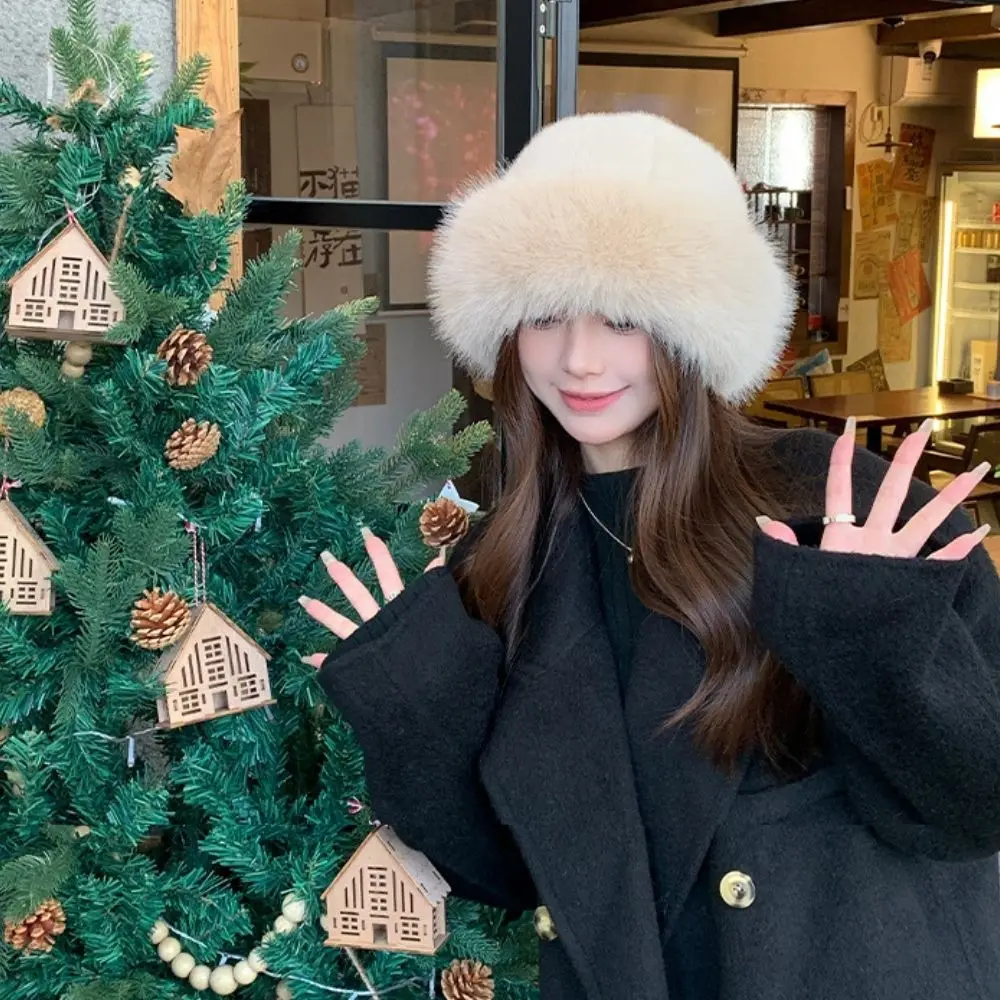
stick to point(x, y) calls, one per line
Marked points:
point(917, 83)
point(278, 49)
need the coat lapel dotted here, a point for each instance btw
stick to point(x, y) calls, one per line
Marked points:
point(558, 771)
point(683, 797)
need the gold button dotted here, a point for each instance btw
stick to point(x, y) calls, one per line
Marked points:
point(545, 926)
point(737, 890)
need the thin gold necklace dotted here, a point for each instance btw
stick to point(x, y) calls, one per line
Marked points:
point(600, 524)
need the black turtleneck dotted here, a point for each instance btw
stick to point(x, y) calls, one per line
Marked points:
point(691, 953)
point(609, 496)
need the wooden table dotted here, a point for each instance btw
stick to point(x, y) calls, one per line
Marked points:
point(875, 410)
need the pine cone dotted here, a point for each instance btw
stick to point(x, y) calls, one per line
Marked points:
point(467, 980)
point(158, 619)
point(37, 932)
point(192, 444)
point(25, 401)
point(443, 522)
point(187, 354)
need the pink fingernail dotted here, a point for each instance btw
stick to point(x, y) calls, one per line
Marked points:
point(983, 468)
point(983, 531)
point(305, 601)
point(927, 426)
point(851, 427)
point(366, 532)
point(328, 558)
point(763, 519)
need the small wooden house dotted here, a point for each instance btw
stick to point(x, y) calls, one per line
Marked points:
point(64, 292)
point(387, 897)
point(214, 669)
point(26, 565)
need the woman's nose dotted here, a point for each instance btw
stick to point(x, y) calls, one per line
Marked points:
point(582, 352)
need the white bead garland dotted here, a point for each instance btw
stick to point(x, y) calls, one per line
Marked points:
point(293, 909)
point(256, 961)
point(244, 973)
point(168, 949)
point(159, 932)
point(200, 975)
point(222, 981)
point(284, 991)
point(282, 925)
point(182, 965)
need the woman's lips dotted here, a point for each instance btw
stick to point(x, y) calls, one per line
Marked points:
point(590, 402)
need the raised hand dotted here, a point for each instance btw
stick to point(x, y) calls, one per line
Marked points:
point(877, 536)
point(360, 598)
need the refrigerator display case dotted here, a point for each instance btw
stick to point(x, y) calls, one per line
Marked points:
point(967, 296)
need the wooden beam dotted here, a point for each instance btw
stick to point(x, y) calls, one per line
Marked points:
point(816, 13)
point(964, 28)
point(601, 12)
point(211, 27)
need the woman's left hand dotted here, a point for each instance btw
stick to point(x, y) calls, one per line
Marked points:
point(877, 536)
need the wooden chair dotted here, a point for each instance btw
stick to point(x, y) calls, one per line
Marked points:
point(776, 388)
point(840, 384)
point(983, 445)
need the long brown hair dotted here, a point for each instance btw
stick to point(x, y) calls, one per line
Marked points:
point(704, 474)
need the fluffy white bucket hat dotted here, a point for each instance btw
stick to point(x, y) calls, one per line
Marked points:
point(621, 215)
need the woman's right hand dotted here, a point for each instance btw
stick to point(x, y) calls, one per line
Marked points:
point(360, 598)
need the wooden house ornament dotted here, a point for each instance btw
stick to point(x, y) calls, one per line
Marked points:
point(64, 292)
point(214, 669)
point(388, 897)
point(26, 565)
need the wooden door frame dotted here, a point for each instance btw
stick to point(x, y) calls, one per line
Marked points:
point(848, 100)
point(211, 27)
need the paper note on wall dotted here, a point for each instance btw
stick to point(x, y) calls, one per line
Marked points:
point(910, 224)
point(912, 167)
point(895, 339)
point(327, 142)
point(875, 194)
point(872, 253)
point(910, 289)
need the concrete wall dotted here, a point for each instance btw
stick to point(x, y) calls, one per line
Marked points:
point(24, 40)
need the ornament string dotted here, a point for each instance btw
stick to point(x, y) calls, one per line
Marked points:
point(129, 740)
point(199, 563)
point(7, 484)
point(226, 957)
point(70, 215)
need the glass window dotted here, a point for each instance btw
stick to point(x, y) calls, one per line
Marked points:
point(399, 105)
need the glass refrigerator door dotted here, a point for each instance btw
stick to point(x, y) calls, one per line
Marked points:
point(967, 300)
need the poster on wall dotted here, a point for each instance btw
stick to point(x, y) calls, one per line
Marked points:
point(911, 291)
point(327, 148)
point(909, 226)
point(872, 253)
point(875, 195)
point(912, 168)
point(895, 339)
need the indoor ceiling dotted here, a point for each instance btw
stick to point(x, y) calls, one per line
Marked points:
point(752, 17)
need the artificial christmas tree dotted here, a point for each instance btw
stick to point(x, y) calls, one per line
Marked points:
point(153, 860)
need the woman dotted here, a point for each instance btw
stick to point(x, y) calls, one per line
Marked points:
point(720, 703)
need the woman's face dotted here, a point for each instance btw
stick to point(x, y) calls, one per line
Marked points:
point(596, 379)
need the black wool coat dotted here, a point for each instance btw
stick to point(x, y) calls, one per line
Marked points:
point(873, 878)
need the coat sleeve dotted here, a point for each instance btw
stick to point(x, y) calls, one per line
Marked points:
point(418, 684)
point(902, 657)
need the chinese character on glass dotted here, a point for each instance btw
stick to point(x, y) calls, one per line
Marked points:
point(330, 182)
point(341, 247)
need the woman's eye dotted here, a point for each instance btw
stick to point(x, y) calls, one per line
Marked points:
point(621, 326)
point(546, 322)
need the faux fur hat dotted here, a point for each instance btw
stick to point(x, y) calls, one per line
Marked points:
point(621, 215)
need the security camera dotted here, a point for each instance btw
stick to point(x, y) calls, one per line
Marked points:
point(930, 51)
